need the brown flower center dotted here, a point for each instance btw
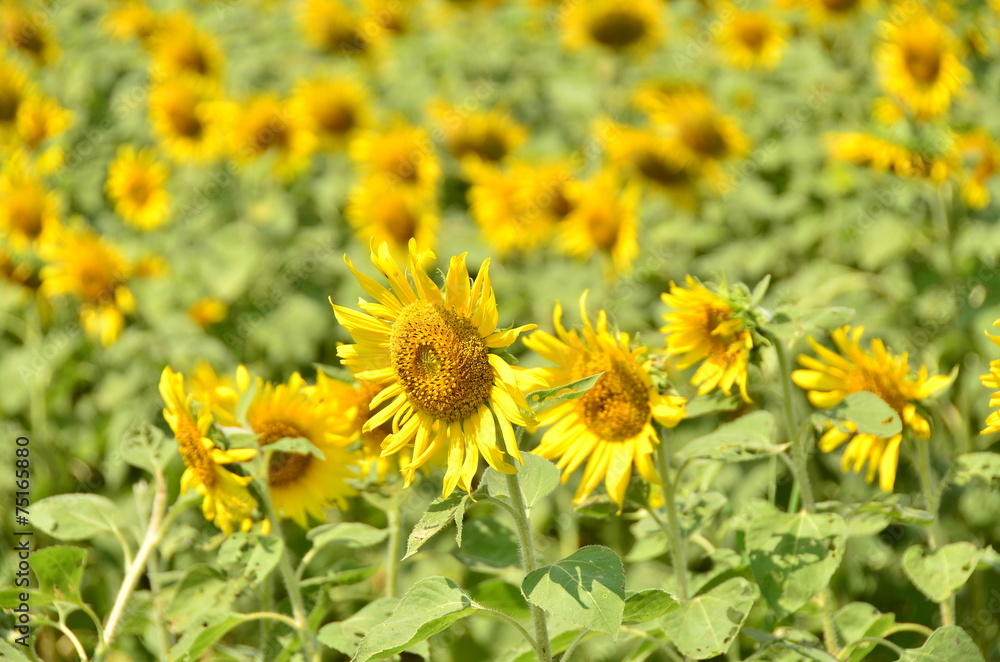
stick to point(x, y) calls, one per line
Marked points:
point(617, 29)
point(923, 60)
point(617, 407)
point(285, 468)
point(193, 453)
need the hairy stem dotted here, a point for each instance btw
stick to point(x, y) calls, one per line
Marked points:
point(800, 454)
point(395, 523)
point(678, 549)
point(932, 498)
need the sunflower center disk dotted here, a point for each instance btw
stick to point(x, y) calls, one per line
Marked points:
point(923, 61)
point(441, 361)
point(194, 455)
point(879, 383)
point(618, 29)
point(284, 467)
point(617, 407)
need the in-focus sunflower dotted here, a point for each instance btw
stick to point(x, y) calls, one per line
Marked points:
point(833, 377)
point(982, 155)
point(333, 109)
point(884, 155)
point(14, 89)
point(181, 48)
point(136, 186)
point(918, 65)
point(188, 120)
point(444, 388)
point(604, 220)
point(635, 26)
point(133, 19)
point(484, 137)
point(650, 158)
point(335, 27)
point(82, 263)
point(28, 209)
point(302, 485)
point(267, 125)
point(704, 327)
point(611, 425)
point(227, 502)
point(382, 212)
point(752, 39)
point(400, 152)
point(992, 380)
point(25, 31)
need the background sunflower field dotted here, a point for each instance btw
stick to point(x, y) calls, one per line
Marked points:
point(704, 285)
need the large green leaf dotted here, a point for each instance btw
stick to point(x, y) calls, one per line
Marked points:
point(747, 438)
point(351, 535)
point(859, 620)
point(538, 477)
point(439, 514)
point(587, 588)
point(970, 467)
point(948, 644)
point(488, 542)
point(869, 413)
point(58, 571)
point(430, 606)
point(345, 636)
point(647, 605)
point(203, 633)
point(252, 557)
point(706, 625)
point(75, 516)
point(793, 556)
point(941, 573)
point(145, 446)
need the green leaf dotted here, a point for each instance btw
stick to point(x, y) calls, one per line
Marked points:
point(430, 606)
point(706, 625)
point(948, 644)
point(145, 446)
point(870, 413)
point(715, 402)
point(438, 515)
point(538, 477)
point(970, 467)
point(941, 573)
point(790, 322)
point(203, 633)
point(747, 438)
point(572, 391)
point(647, 605)
point(501, 596)
point(12, 652)
point(253, 556)
point(488, 542)
point(58, 571)
point(859, 620)
point(345, 636)
point(587, 588)
point(793, 556)
point(75, 516)
point(299, 445)
point(351, 535)
point(203, 588)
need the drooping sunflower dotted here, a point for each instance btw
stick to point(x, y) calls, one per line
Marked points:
point(24, 31)
point(227, 502)
point(992, 380)
point(604, 220)
point(302, 485)
point(918, 65)
point(611, 425)
point(181, 48)
point(136, 185)
point(752, 39)
point(650, 158)
point(884, 155)
point(620, 27)
point(832, 377)
point(445, 389)
point(705, 328)
point(267, 125)
point(82, 263)
point(400, 152)
point(382, 212)
point(484, 137)
point(189, 121)
point(335, 27)
point(28, 209)
point(982, 154)
point(331, 108)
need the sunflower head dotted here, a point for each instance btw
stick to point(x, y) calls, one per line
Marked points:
point(481, 137)
point(28, 209)
point(40, 118)
point(992, 380)
point(267, 125)
point(206, 312)
point(698, 132)
point(635, 26)
point(603, 220)
point(181, 48)
point(136, 185)
point(399, 152)
point(982, 160)
point(335, 27)
point(752, 39)
point(882, 155)
point(133, 19)
point(189, 121)
point(333, 109)
point(651, 159)
point(27, 32)
point(382, 212)
point(835, 375)
point(14, 90)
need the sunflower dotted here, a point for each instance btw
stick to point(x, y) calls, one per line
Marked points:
point(650, 158)
point(831, 12)
point(477, 136)
point(14, 90)
point(884, 155)
point(400, 152)
point(983, 155)
point(611, 425)
point(833, 377)
point(267, 125)
point(81, 263)
point(16, 271)
point(992, 380)
point(133, 19)
point(216, 392)
point(39, 119)
point(136, 186)
point(752, 39)
point(28, 209)
point(388, 17)
point(603, 220)
point(705, 327)
point(181, 48)
point(918, 65)
point(227, 502)
point(382, 212)
point(188, 120)
point(208, 311)
point(27, 32)
point(444, 388)
point(635, 26)
point(333, 109)
point(334, 26)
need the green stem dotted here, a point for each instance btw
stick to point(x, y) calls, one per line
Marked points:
point(486, 611)
point(871, 640)
point(678, 550)
point(573, 646)
point(395, 517)
point(933, 500)
point(526, 543)
point(800, 454)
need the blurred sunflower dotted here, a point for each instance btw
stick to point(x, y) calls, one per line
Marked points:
point(302, 485)
point(266, 125)
point(886, 156)
point(39, 119)
point(181, 48)
point(390, 17)
point(445, 389)
point(634, 26)
point(992, 380)
point(477, 136)
point(216, 392)
point(14, 90)
point(206, 312)
point(25, 31)
point(830, 12)
point(227, 502)
point(188, 120)
point(28, 209)
point(133, 19)
point(16, 271)
point(833, 377)
point(380, 211)
point(401, 152)
point(334, 26)
point(82, 263)
point(752, 39)
point(651, 158)
point(918, 65)
point(982, 154)
point(136, 185)
point(705, 327)
point(333, 109)
point(611, 425)
point(604, 220)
